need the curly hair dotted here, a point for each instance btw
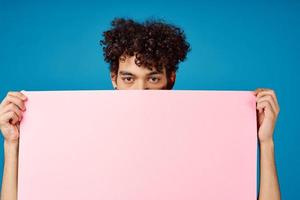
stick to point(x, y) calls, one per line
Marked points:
point(155, 43)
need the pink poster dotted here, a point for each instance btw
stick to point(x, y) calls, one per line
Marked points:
point(138, 145)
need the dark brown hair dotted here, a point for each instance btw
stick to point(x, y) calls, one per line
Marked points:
point(155, 43)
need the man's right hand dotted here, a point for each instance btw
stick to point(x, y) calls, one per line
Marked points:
point(11, 113)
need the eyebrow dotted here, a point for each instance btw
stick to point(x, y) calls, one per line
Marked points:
point(128, 73)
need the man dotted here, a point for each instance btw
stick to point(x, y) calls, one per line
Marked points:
point(144, 56)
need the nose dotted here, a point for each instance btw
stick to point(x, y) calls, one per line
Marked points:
point(140, 85)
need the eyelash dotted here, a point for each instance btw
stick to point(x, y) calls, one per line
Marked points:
point(158, 79)
point(126, 78)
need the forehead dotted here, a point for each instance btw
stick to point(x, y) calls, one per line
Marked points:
point(128, 65)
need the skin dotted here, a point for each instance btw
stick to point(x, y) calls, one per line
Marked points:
point(13, 106)
point(132, 77)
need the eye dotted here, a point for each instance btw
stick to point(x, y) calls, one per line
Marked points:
point(127, 79)
point(154, 79)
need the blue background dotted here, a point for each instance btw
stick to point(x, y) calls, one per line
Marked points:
point(235, 46)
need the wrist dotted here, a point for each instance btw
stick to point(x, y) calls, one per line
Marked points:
point(267, 144)
point(11, 147)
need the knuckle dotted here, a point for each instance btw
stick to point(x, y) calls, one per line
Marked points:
point(11, 106)
point(8, 97)
point(259, 105)
point(10, 93)
point(19, 94)
point(10, 114)
point(269, 97)
point(19, 101)
point(23, 95)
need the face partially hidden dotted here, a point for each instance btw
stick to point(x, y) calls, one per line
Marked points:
point(133, 77)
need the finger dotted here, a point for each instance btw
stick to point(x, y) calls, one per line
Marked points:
point(10, 117)
point(17, 94)
point(270, 99)
point(14, 119)
point(260, 91)
point(12, 107)
point(18, 125)
point(269, 92)
point(4, 101)
point(257, 90)
point(265, 105)
point(15, 100)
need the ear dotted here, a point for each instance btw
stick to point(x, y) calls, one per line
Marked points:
point(113, 77)
point(173, 76)
point(171, 80)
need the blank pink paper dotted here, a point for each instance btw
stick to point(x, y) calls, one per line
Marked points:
point(138, 145)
